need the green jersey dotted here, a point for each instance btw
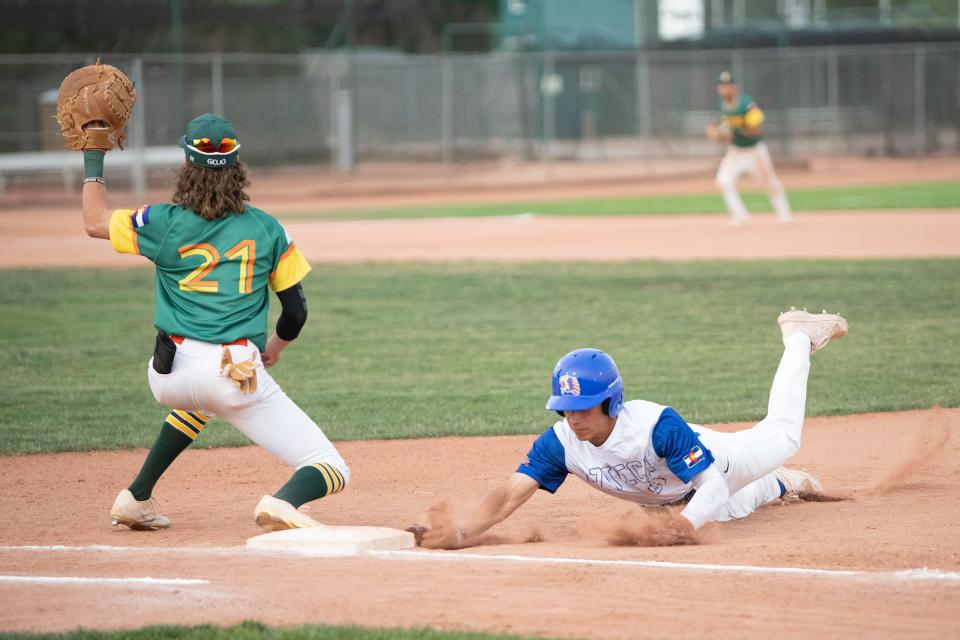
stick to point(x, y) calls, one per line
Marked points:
point(743, 114)
point(212, 276)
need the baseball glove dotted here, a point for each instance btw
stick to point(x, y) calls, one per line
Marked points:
point(93, 106)
point(243, 374)
point(717, 133)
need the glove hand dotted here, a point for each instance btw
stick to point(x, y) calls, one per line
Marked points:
point(717, 133)
point(93, 106)
point(242, 374)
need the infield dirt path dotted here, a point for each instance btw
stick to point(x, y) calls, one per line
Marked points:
point(57, 240)
point(209, 495)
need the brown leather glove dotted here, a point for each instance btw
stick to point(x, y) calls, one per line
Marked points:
point(93, 106)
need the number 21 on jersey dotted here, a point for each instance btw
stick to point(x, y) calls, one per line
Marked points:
point(245, 251)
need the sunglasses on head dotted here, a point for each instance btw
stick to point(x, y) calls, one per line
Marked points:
point(204, 145)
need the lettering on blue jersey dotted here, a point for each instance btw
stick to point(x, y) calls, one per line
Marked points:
point(569, 385)
point(606, 473)
point(692, 458)
point(141, 217)
point(635, 473)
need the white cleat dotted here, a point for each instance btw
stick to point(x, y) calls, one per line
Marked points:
point(821, 328)
point(798, 483)
point(739, 222)
point(274, 514)
point(140, 515)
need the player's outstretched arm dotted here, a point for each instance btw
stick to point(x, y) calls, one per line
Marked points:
point(96, 214)
point(445, 533)
point(712, 493)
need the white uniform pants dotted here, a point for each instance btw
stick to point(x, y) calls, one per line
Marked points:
point(756, 161)
point(748, 459)
point(267, 416)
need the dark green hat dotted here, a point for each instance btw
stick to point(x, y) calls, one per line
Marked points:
point(725, 77)
point(204, 137)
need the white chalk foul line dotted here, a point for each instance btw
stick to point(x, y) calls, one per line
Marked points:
point(105, 548)
point(905, 575)
point(113, 582)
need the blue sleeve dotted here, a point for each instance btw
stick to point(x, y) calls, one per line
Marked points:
point(678, 444)
point(546, 463)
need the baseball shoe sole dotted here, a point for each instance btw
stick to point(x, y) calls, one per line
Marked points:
point(278, 515)
point(821, 328)
point(140, 515)
point(799, 484)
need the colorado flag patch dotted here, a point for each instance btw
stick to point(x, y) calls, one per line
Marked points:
point(141, 217)
point(692, 458)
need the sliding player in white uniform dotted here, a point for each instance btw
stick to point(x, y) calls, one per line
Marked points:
point(741, 121)
point(646, 453)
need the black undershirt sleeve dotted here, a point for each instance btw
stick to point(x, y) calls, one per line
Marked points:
point(293, 312)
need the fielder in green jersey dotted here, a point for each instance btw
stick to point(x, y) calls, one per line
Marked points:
point(740, 128)
point(743, 117)
point(217, 258)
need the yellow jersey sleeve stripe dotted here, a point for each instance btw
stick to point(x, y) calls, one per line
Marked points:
point(188, 417)
point(291, 269)
point(123, 238)
point(181, 428)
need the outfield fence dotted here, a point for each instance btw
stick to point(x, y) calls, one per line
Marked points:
point(347, 107)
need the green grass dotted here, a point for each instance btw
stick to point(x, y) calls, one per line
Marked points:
point(257, 631)
point(395, 351)
point(927, 195)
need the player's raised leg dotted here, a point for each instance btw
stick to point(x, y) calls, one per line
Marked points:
point(761, 450)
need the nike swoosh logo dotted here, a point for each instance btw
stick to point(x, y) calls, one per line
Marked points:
point(728, 467)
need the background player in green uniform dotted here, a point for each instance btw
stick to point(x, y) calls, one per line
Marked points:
point(216, 259)
point(741, 121)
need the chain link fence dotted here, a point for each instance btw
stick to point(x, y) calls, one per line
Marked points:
point(341, 108)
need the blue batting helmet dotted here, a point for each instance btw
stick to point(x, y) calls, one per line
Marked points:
point(583, 379)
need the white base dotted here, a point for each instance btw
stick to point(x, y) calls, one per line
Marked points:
point(332, 541)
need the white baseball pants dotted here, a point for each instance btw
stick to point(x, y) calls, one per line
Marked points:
point(756, 161)
point(748, 459)
point(267, 416)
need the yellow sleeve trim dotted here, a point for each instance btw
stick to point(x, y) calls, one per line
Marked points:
point(291, 269)
point(754, 118)
point(122, 236)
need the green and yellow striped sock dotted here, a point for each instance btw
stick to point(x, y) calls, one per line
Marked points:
point(311, 483)
point(179, 430)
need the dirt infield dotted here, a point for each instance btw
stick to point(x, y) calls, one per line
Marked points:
point(904, 234)
point(210, 494)
point(840, 569)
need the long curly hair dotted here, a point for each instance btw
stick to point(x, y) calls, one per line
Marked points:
point(212, 193)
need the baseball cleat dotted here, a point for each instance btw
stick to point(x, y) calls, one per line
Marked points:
point(820, 327)
point(140, 515)
point(274, 514)
point(798, 483)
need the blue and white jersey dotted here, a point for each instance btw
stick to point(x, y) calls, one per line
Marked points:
point(650, 458)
